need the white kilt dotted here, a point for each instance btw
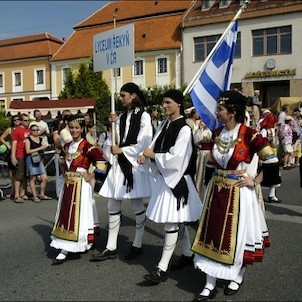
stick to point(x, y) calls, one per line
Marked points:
point(162, 206)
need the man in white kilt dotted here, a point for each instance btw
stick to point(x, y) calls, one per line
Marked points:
point(174, 200)
point(127, 179)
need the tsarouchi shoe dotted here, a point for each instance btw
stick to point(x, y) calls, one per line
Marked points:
point(182, 262)
point(157, 276)
point(104, 255)
point(134, 252)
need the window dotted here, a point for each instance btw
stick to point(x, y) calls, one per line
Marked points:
point(139, 67)
point(238, 46)
point(203, 46)
point(2, 105)
point(39, 76)
point(272, 41)
point(2, 89)
point(207, 4)
point(162, 65)
point(117, 72)
point(224, 3)
point(17, 79)
point(65, 72)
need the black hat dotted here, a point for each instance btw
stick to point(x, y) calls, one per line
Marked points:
point(133, 88)
point(232, 98)
point(175, 95)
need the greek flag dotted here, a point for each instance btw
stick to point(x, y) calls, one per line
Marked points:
point(215, 78)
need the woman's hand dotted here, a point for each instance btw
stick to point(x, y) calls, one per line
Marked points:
point(246, 181)
point(87, 176)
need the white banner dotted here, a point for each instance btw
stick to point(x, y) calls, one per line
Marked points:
point(113, 48)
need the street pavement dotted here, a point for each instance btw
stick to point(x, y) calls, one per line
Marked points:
point(27, 273)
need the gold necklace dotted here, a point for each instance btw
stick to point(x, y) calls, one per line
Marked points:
point(224, 147)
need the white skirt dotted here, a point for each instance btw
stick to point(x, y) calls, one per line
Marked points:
point(88, 222)
point(114, 187)
point(162, 206)
point(252, 228)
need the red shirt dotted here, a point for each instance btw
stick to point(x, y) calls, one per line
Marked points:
point(20, 134)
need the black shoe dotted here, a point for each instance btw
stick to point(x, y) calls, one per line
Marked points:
point(58, 262)
point(212, 294)
point(104, 255)
point(228, 291)
point(273, 199)
point(182, 262)
point(133, 253)
point(157, 276)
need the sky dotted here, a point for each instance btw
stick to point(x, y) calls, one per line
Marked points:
point(22, 18)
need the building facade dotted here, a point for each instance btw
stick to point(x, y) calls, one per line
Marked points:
point(25, 72)
point(157, 39)
point(269, 44)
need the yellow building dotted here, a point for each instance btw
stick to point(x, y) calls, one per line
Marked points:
point(25, 68)
point(157, 38)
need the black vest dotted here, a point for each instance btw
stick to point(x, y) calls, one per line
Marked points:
point(164, 142)
point(131, 139)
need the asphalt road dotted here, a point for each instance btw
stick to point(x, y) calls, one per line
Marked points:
point(27, 273)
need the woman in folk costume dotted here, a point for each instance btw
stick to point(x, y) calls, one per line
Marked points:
point(232, 231)
point(126, 178)
point(268, 129)
point(174, 198)
point(76, 223)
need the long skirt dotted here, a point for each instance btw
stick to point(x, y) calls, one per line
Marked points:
point(232, 230)
point(76, 223)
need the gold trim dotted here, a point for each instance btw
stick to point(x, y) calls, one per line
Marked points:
point(265, 152)
point(69, 231)
point(217, 253)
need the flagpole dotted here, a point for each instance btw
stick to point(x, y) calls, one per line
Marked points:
point(193, 81)
point(162, 126)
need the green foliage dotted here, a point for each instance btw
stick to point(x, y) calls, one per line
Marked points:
point(154, 96)
point(88, 84)
point(4, 122)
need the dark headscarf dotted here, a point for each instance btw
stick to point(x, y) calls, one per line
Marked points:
point(177, 97)
point(234, 101)
point(133, 88)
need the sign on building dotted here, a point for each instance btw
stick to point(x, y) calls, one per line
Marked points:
point(113, 48)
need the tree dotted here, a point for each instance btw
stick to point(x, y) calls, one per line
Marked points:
point(85, 83)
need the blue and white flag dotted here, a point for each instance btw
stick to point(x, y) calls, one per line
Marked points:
point(215, 78)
